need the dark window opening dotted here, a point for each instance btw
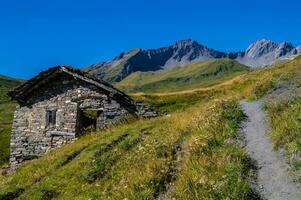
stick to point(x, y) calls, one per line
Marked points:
point(50, 118)
point(89, 120)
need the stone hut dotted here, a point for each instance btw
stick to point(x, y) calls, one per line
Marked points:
point(57, 105)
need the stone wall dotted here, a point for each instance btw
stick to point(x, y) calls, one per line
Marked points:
point(31, 137)
point(144, 111)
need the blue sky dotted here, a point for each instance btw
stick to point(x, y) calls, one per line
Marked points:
point(35, 34)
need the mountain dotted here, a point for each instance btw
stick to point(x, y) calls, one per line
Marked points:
point(298, 49)
point(265, 52)
point(200, 74)
point(261, 53)
point(181, 53)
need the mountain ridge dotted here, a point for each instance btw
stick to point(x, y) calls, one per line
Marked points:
point(184, 52)
point(181, 53)
point(265, 52)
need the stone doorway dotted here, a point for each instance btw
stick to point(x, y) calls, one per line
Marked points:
point(90, 119)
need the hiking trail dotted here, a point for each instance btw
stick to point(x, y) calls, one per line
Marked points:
point(273, 181)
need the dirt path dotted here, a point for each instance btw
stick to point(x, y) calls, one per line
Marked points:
point(273, 181)
point(174, 169)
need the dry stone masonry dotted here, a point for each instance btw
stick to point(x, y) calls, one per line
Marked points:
point(58, 105)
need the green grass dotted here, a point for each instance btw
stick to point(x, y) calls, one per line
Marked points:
point(177, 102)
point(136, 160)
point(202, 74)
point(216, 169)
point(6, 84)
point(4, 144)
point(194, 147)
point(286, 126)
point(6, 115)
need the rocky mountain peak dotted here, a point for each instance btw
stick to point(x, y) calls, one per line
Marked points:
point(285, 48)
point(261, 47)
point(265, 52)
point(127, 54)
point(185, 43)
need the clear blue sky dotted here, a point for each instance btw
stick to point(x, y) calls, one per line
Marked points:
point(37, 34)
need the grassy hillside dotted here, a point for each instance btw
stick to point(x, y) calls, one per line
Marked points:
point(286, 130)
point(283, 107)
point(202, 74)
point(6, 114)
point(7, 83)
point(190, 153)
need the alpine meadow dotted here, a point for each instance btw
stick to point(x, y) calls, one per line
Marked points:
point(150, 100)
point(191, 151)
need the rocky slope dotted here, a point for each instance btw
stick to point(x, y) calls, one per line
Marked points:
point(265, 52)
point(261, 53)
point(298, 49)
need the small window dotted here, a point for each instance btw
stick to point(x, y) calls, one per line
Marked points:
point(50, 117)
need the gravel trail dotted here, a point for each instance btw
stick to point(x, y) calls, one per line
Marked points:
point(273, 181)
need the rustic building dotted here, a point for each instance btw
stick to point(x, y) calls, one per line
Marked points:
point(59, 104)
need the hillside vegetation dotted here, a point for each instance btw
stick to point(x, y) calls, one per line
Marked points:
point(190, 153)
point(284, 110)
point(201, 74)
point(6, 115)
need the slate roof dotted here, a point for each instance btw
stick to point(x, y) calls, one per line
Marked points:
point(22, 90)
